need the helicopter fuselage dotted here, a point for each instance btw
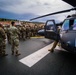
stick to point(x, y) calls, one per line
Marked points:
point(68, 40)
point(67, 33)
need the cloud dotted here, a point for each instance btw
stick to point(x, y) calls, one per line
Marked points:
point(34, 7)
point(8, 3)
point(5, 14)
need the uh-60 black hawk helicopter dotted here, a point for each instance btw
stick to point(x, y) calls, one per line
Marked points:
point(67, 32)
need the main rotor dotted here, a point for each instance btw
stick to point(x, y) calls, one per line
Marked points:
point(68, 10)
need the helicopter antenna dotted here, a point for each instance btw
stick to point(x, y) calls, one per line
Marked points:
point(54, 13)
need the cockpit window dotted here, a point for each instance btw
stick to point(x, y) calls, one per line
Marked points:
point(74, 21)
point(65, 25)
point(74, 25)
point(69, 24)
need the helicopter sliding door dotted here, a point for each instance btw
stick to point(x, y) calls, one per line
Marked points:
point(50, 30)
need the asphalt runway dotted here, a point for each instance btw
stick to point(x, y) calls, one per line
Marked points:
point(58, 63)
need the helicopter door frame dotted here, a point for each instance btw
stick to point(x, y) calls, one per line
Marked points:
point(51, 34)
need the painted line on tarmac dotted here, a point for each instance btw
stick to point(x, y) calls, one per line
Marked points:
point(35, 57)
point(38, 37)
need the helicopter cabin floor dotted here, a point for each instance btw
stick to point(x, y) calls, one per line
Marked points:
point(35, 59)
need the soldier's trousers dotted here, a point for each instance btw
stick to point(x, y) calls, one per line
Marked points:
point(15, 45)
point(2, 47)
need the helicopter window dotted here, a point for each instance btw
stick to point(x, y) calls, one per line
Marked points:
point(50, 25)
point(65, 25)
point(74, 25)
point(75, 21)
point(69, 24)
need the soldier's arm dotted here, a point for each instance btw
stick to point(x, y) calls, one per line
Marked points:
point(3, 34)
point(18, 32)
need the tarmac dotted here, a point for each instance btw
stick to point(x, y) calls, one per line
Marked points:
point(59, 62)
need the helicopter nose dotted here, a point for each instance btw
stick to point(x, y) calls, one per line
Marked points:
point(41, 32)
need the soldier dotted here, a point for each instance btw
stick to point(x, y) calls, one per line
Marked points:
point(2, 41)
point(56, 41)
point(28, 32)
point(20, 30)
point(23, 32)
point(14, 39)
point(35, 30)
point(32, 31)
point(8, 34)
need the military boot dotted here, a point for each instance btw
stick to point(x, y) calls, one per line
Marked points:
point(12, 52)
point(53, 47)
point(51, 50)
point(4, 54)
point(17, 53)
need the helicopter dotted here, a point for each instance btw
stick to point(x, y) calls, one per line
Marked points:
point(67, 32)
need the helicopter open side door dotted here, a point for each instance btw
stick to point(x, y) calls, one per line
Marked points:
point(50, 30)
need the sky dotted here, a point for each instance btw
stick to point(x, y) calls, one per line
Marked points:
point(28, 9)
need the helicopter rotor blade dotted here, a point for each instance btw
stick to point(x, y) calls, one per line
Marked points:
point(54, 13)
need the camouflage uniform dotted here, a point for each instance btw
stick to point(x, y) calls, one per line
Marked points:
point(35, 30)
point(28, 32)
point(23, 33)
point(2, 42)
point(32, 31)
point(19, 28)
point(14, 40)
point(8, 34)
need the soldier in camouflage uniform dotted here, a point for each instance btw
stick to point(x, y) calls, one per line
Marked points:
point(14, 39)
point(32, 31)
point(8, 34)
point(28, 32)
point(23, 28)
point(35, 30)
point(2, 41)
point(19, 28)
